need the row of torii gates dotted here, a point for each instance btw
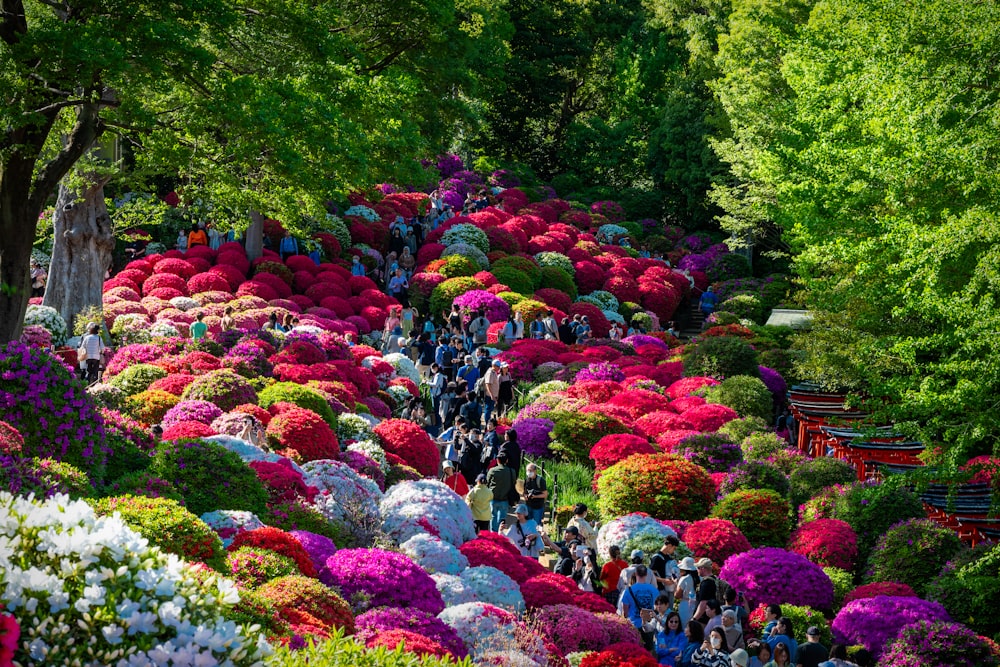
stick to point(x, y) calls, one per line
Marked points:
point(825, 429)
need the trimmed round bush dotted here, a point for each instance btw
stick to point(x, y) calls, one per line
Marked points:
point(770, 575)
point(763, 446)
point(137, 378)
point(611, 449)
point(721, 357)
point(556, 278)
point(939, 644)
point(815, 475)
point(873, 509)
point(761, 514)
point(969, 588)
point(167, 525)
point(223, 387)
point(299, 599)
point(150, 406)
point(209, 476)
point(289, 392)
point(303, 432)
point(715, 539)
point(874, 622)
point(662, 485)
point(370, 578)
point(738, 430)
point(912, 552)
point(251, 567)
point(751, 475)
point(749, 396)
point(445, 293)
point(826, 542)
point(575, 434)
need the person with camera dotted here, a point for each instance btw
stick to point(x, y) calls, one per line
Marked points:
point(535, 493)
point(637, 601)
point(524, 533)
point(253, 432)
point(714, 651)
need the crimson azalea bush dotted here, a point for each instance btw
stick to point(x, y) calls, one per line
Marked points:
point(662, 485)
point(370, 578)
point(168, 525)
point(826, 542)
point(890, 588)
point(874, 622)
point(411, 642)
point(939, 644)
point(296, 599)
point(708, 417)
point(411, 443)
point(761, 514)
point(611, 449)
point(715, 539)
point(278, 541)
point(769, 575)
point(912, 552)
point(303, 435)
point(617, 658)
point(547, 589)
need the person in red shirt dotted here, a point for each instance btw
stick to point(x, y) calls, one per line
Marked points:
point(610, 573)
point(453, 480)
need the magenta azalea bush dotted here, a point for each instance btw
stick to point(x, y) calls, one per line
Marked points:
point(369, 578)
point(941, 644)
point(570, 628)
point(533, 435)
point(874, 622)
point(376, 621)
point(601, 371)
point(191, 411)
point(771, 575)
point(496, 309)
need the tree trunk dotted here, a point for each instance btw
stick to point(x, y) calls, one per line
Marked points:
point(255, 236)
point(18, 221)
point(84, 243)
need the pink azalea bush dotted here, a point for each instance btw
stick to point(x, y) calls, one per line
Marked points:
point(873, 622)
point(370, 578)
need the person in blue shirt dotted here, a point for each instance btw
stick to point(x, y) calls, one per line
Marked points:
point(670, 638)
point(694, 632)
point(469, 372)
point(782, 634)
point(357, 268)
point(288, 246)
point(709, 300)
point(637, 598)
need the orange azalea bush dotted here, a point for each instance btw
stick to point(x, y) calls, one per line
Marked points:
point(662, 485)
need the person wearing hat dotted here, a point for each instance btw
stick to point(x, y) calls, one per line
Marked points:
point(708, 588)
point(733, 630)
point(588, 533)
point(491, 387)
point(524, 533)
point(638, 559)
point(638, 599)
point(812, 652)
point(686, 590)
point(478, 500)
point(453, 480)
point(739, 658)
point(469, 372)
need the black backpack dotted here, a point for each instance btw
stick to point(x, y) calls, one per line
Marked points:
point(447, 357)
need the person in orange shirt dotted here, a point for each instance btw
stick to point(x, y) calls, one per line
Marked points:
point(197, 236)
point(611, 572)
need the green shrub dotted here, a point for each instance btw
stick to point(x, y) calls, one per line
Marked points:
point(126, 457)
point(63, 477)
point(729, 266)
point(969, 588)
point(169, 526)
point(458, 266)
point(815, 475)
point(912, 552)
point(721, 357)
point(445, 293)
point(135, 379)
point(782, 361)
point(341, 651)
point(523, 266)
point(557, 278)
point(755, 475)
point(575, 434)
point(713, 452)
point(724, 317)
point(251, 567)
point(289, 392)
point(209, 476)
point(762, 446)
point(773, 293)
point(517, 281)
point(744, 306)
point(150, 406)
point(843, 583)
point(142, 483)
point(252, 609)
point(761, 514)
point(738, 430)
point(873, 509)
point(222, 387)
point(749, 396)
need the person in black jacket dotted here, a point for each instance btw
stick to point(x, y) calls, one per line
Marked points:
point(509, 446)
point(470, 457)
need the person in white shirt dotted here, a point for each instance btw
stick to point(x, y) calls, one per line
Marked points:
point(524, 533)
point(638, 558)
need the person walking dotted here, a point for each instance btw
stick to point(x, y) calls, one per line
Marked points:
point(479, 500)
point(93, 348)
point(501, 481)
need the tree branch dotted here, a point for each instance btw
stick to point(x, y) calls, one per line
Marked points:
point(85, 132)
point(72, 103)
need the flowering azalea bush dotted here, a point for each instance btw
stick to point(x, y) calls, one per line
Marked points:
point(570, 628)
point(611, 449)
point(427, 506)
point(761, 514)
point(302, 434)
point(371, 578)
point(38, 583)
point(491, 586)
point(229, 523)
point(769, 575)
point(874, 622)
point(715, 539)
point(409, 442)
point(575, 434)
point(48, 319)
point(630, 532)
point(384, 619)
point(664, 485)
point(305, 601)
point(191, 411)
point(711, 451)
point(345, 498)
point(912, 552)
point(251, 567)
point(939, 644)
point(223, 387)
point(533, 435)
point(826, 542)
point(434, 555)
point(755, 475)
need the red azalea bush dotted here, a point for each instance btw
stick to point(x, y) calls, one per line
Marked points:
point(284, 483)
point(609, 658)
point(187, 429)
point(715, 539)
point(294, 598)
point(174, 384)
point(595, 391)
point(304, 432)
point(611, 449)
point(668, 440)
point(11, 441)
point(482, 551)
point(662, 485)
point(411, 443)
point(687, 386)
point(278, 541)
point(653, 424)
point(890, 588)
point(411, 641)
point(548, 589)
point(709, 417)
point(827, 542)
point(761, 514)
point(640, 402)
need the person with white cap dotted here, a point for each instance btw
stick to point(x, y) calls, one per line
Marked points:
point(454, 480)
point(686, 590)
point(524, 533)
point(637, 558)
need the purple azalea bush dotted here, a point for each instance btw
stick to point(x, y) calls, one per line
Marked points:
point(533, 435)
point(874, 622)
point(40, 397)
point(449, 164)
point(369, 578)
point(191, 411)
point(940, 644)
point(642, 339)
point(771, 575)
point(601, 371)
point(319, 547)
point(774, 382)
point(497, 310)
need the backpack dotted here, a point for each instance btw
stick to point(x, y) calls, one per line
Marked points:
point(479, 330)
point(720, 589)
point(447, 357)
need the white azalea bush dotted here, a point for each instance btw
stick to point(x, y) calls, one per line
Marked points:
point(345, 498)
point(492, 586)
point(632, 531)
point(351, 426)
point(49, 319)
point(89, 590)
point(405, 368)
point(426, 505)
point(434, 555)
point(372, 450)
point(453, 590)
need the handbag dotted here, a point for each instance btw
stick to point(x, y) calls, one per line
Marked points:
point(81, 352)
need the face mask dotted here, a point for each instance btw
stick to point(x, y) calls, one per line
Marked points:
point(716, 642)
point(531, 475)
